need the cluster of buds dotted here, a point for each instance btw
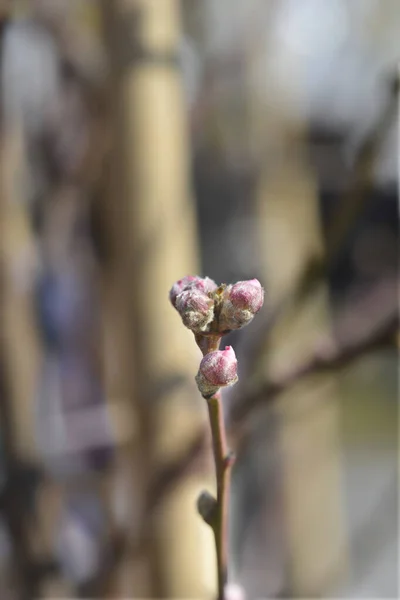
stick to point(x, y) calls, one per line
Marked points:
point(211, 311)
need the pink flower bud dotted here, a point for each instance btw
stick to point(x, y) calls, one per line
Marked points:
point(241, 302)
point(195, 308)
point(247, 295)
point(205, 285)
point(217, 369)
point(179, 286)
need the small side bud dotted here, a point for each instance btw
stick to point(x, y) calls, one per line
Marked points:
point(240, 303)
point(229, 460)
point(196, 309)
point(205, 285)
point(206, 506)
point(217, 369)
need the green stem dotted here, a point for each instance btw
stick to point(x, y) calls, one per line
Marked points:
point(223, 463)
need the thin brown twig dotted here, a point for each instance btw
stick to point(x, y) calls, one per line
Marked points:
point(223, 460)
point(163, 480)
point(222, 467)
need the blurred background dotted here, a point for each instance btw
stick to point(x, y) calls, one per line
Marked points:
point(143, 140)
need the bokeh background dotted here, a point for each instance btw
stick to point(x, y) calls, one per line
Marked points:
point(142, 140)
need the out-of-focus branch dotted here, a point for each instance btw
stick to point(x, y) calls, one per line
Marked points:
point(164, 479)
point(347, 211)
point(360, 330)
point(26, 573)
point(354, 196)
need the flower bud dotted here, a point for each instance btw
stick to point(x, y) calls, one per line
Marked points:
point(205, 285)
point(217, 369)
point(241, 302)
point(179, 286)
point(195, 308)
point(248, 295)
point(206, 506)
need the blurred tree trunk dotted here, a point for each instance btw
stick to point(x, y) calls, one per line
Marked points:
point(18, 250)
point(290, 235)
point(20, 349)
point(309, 438)
point(153, 242)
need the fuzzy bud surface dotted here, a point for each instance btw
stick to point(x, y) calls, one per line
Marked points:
point(196, 309)
point(241, 302)
point(179, 286)
point(217, 369)
point(205, 285)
